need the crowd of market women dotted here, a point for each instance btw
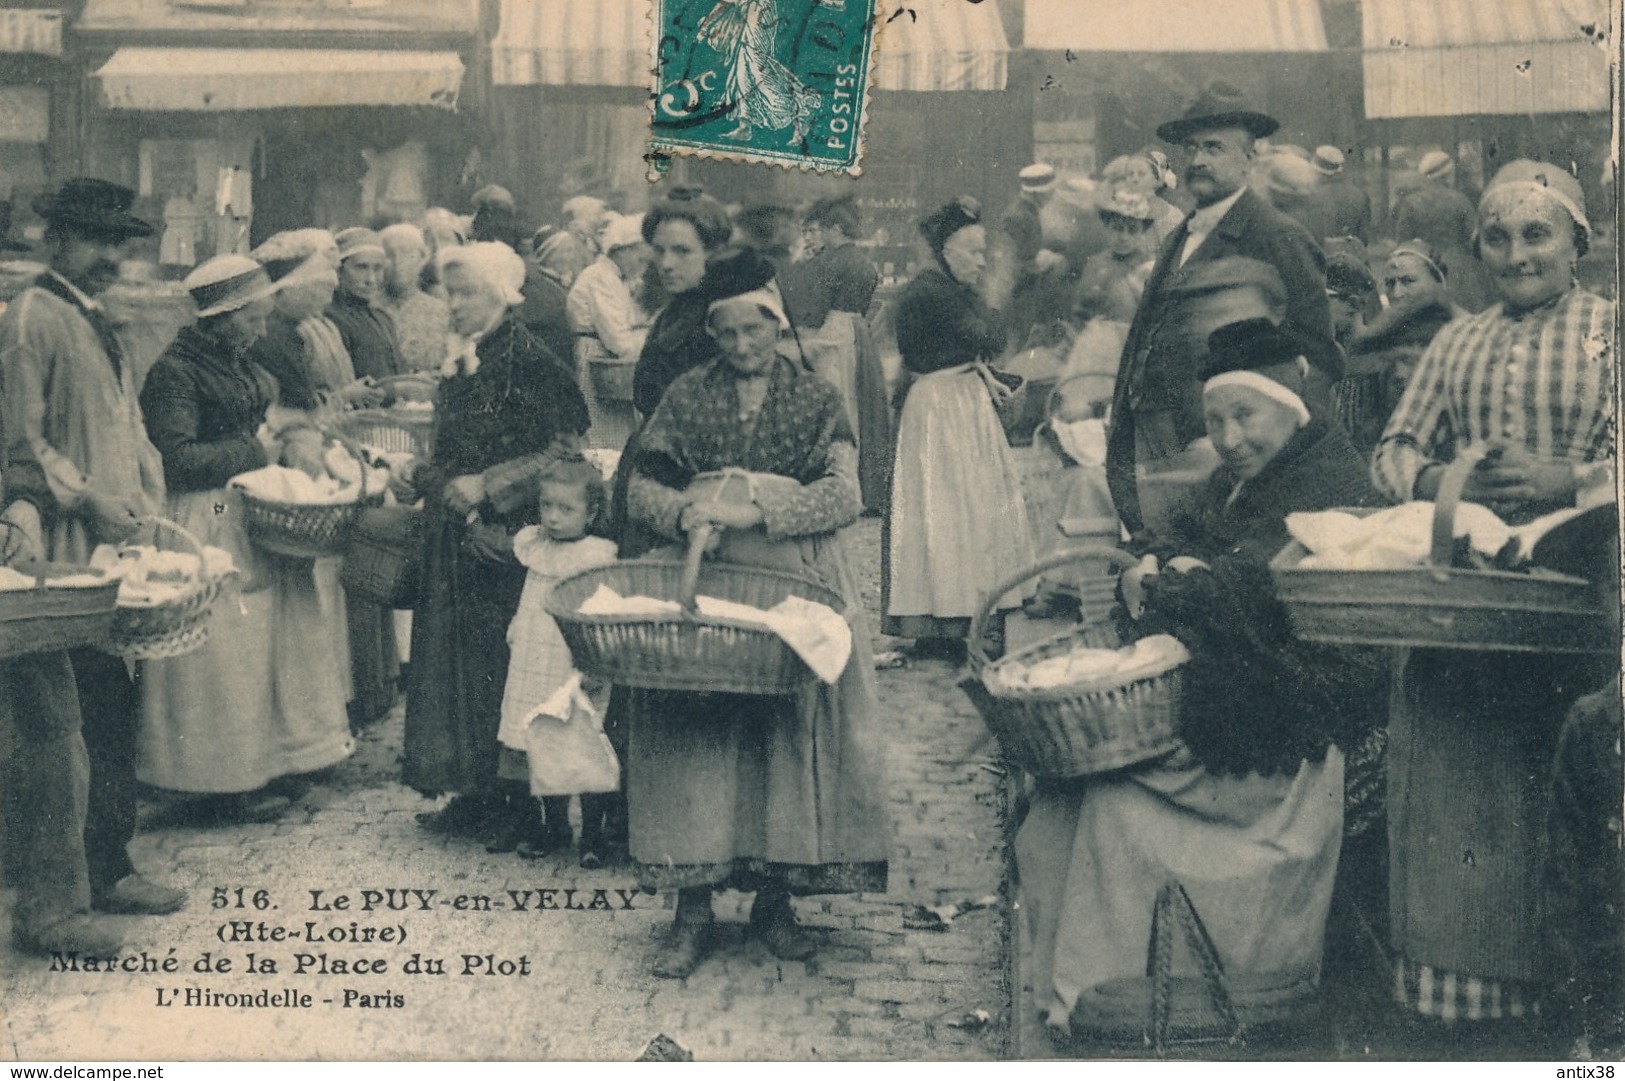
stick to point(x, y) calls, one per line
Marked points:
point(696, 341)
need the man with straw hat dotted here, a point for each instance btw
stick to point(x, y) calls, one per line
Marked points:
point(76, 451)
point(1340, 207)
point(1156, 409)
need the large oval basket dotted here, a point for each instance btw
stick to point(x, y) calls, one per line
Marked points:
point(1071, 731)
point(174, 628)
point(43, 619)
point(1438, 606)
point(685, 651)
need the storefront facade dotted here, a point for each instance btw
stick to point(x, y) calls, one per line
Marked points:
point(233, 123)
point(36, 90)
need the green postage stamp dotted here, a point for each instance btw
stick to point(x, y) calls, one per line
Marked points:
point(778, 81)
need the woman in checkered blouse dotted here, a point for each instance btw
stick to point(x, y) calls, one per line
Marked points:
point(1472, 734)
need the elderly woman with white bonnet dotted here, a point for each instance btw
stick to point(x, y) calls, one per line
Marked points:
point(1532, 380)
point(422, 320)
point(504, 402)
point(263, 700)
point(610, 324)
point(301, 347)
point(1246, 813)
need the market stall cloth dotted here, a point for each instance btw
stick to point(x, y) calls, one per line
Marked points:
point(1176, 26)
point(568, 43)
point(940, 45)
point(228, 80)
point(1466, 58)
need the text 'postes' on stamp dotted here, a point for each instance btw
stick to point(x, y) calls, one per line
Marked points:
point(777, 81)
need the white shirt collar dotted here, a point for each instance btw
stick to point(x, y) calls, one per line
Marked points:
point(79, 296)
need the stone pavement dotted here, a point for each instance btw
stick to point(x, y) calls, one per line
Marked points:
point(578, 987)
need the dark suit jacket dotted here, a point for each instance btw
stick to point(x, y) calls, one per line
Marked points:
point(1157, 380)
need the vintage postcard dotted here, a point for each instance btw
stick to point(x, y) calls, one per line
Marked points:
point(1014, 349)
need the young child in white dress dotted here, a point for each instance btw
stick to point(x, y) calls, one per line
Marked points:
point(573, 501)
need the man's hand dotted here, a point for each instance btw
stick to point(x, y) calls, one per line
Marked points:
point(463, 494)
point(116, 519)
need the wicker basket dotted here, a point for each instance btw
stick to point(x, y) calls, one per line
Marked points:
point(1438, 606)
point(305, 530)
point(43, 620)
point(611, 378)
point(174, 628)
point(685, 651)
point(384, 557)
point(393, 431)
point(1072, 732)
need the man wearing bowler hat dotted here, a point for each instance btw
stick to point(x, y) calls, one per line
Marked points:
point(1157, 404)
point(77, 451)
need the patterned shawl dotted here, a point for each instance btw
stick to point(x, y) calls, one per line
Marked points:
point(697, 427)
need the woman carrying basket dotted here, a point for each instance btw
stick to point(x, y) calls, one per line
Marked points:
point(1246, 814)
point(780, 795)
point(1472, 734)
point(264, 698)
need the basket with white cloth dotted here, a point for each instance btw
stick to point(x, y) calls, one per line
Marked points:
point(157, 619)
point(1431, 603)
point(289, 513)
point(1079, 702)
point(693, 625)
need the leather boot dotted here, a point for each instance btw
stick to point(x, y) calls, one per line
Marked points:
point(686, 947)
point(773, 920)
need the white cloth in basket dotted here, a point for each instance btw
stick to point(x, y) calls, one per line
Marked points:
point(280, 484)
point(1390, 539)
point(1086, 667)
point(819, 635)
point(149, 576)
point(13, 579)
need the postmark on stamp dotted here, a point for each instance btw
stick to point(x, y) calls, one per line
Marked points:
point(778, 81)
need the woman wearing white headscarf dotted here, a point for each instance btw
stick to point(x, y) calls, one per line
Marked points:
point(503, 401)
point(1472, 735)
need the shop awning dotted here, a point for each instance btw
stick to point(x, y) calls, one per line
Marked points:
point(928, 45)
point(569, 43)
point(1176, 26)
point(225, 80)
point(1467, 57)
point(941, 45)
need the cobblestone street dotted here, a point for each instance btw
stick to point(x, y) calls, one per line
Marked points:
point(580, 988)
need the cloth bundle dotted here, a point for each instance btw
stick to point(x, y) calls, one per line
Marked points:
point(819, 635)
point(565, 746)
point(1402, 536)
point(149, 576)
point(1084, 668)
point(344, 482)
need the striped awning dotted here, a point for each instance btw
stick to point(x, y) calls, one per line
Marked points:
point(571, 43)
point(940, 45)
point(227, 80)
point(1470, 57)
point(1176, 26)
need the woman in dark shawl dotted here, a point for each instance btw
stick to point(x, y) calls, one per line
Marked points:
point(1247, 813)
point(508, 405)
point(780, 795)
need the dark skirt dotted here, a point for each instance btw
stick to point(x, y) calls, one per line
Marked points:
point(459, 662)
point(1471, 741)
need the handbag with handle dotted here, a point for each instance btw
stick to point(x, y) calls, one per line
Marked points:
point(1163, 1011)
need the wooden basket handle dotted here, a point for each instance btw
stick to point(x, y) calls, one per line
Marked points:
point(1445, 502)
point(698, 539)
point(1118, 558)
